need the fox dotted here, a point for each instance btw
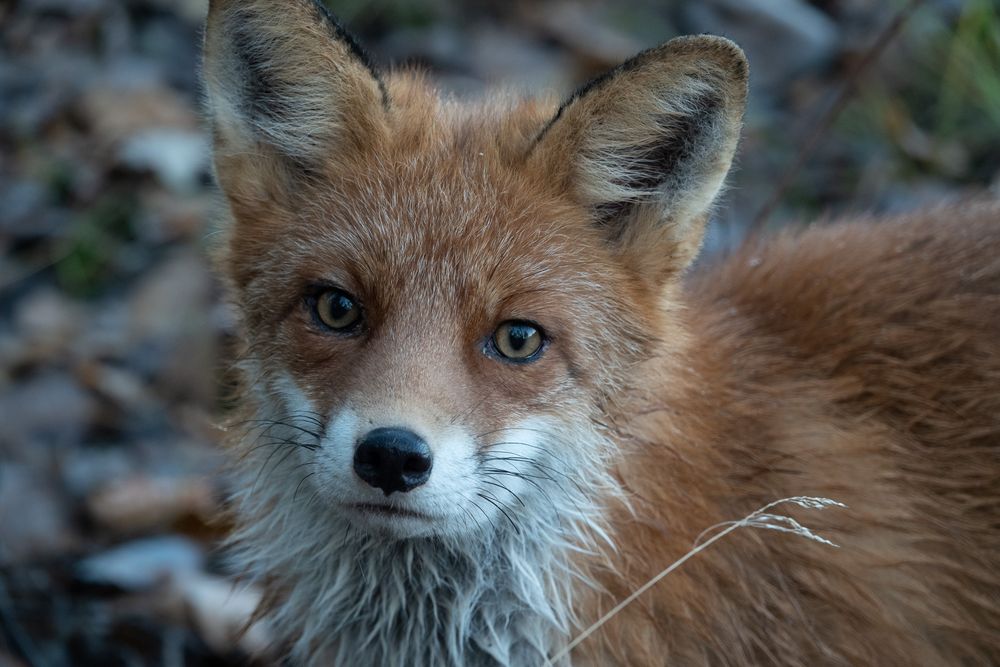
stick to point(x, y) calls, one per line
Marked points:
point(486, 396)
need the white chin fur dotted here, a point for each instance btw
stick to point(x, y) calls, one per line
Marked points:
point(486, 580)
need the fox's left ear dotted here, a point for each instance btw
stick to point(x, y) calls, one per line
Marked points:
point(646, 148)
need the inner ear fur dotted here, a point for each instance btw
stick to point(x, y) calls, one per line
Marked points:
point(646, 147)
point(283, 78)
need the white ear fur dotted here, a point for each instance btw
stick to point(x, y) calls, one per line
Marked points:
point(646, 147)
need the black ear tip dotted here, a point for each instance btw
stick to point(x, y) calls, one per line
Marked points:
point(244, 19)
point(343, 35)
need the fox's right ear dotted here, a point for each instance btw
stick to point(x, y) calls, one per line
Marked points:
point(286, 87)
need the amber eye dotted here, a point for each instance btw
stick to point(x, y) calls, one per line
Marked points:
point(518, 341)
point(337, 310)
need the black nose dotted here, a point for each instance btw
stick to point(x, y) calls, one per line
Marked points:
point(393, 459)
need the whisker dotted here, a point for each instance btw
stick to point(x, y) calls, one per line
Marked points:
point(483, 512)
point(542, 466)
point(513, 456)
point(299, 485)
point(522, 476)
point(263, 467)
point(508, 428)
point(277, 442)
point(493, 482)
point(496, 503)
point(537, 447)
point(271, 423)
point(282, 460)
point(545, 452)
point(542, 474)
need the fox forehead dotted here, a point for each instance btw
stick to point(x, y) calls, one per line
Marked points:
point(442, 179)
point(447, 211)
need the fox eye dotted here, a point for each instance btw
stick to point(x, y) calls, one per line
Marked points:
point(518, 341)
point(337, 310)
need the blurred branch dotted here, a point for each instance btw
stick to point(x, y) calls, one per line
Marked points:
point(844, 95)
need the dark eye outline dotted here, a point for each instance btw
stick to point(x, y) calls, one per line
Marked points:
point(493, 350)
point(312, 299)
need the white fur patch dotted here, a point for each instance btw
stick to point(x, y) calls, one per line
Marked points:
point(490, 583)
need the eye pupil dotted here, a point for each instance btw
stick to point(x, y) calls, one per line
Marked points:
point(518, 337)
point(518, 341)
point(337, 310)
point(340, 305)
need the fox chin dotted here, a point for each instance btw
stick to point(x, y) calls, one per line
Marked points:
point(484, 400)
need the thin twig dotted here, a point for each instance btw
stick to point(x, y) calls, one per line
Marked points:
point(757, 519)
point(826, 121)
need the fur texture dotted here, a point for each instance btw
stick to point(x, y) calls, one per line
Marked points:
point(498, 593)
point(859, 362)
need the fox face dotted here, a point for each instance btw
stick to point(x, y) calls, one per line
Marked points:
point(438, 352)
point(437, 325)
point(440, 300)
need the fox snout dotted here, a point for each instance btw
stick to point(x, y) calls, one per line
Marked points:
point(393, 459)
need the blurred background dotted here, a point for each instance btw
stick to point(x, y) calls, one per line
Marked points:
point(114, 334)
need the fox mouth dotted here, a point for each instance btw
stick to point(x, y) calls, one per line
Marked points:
point(390, 511)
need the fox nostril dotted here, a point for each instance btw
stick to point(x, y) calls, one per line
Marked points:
point(393, 459)
point(417, 464)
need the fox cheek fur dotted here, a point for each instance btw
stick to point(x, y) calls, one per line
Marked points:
point(415, 495)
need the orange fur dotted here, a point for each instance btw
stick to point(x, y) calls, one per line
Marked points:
point(858, 361)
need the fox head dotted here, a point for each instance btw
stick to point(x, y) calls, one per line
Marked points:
point(440, 300)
